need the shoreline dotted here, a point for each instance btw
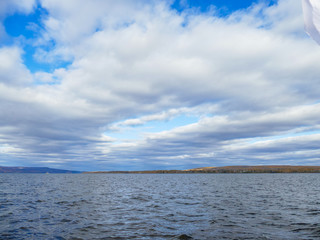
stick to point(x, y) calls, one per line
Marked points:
point(227, 169)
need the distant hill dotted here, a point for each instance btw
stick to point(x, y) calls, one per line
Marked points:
point(233, 169)
point(33, 170)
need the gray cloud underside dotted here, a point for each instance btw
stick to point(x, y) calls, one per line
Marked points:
point(255, 71)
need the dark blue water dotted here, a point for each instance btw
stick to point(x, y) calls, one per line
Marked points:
point(159, 206)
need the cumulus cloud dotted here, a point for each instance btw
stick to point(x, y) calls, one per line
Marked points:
point(247, 76)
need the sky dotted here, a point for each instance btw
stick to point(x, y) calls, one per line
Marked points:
point(142, 85)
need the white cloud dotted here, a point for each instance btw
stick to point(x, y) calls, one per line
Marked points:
point(162, 116)
point(12, 69)
point(22, 6)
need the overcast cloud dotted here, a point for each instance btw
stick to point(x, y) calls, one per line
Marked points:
point(241, 89)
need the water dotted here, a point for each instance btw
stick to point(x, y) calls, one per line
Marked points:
point(159, 206)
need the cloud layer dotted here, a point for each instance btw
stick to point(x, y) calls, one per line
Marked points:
point(250, 78)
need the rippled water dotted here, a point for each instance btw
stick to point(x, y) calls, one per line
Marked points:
point(159, 206)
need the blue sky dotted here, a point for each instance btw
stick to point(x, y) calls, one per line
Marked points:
point(225, 6)
point(138, 85)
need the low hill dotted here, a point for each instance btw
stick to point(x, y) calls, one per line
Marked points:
point(33, 170)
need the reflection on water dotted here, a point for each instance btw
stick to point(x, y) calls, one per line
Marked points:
point(159, 206)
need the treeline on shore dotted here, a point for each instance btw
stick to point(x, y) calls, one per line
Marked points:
point(233, 169)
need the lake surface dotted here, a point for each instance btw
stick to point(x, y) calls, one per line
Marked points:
point(159, 206)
